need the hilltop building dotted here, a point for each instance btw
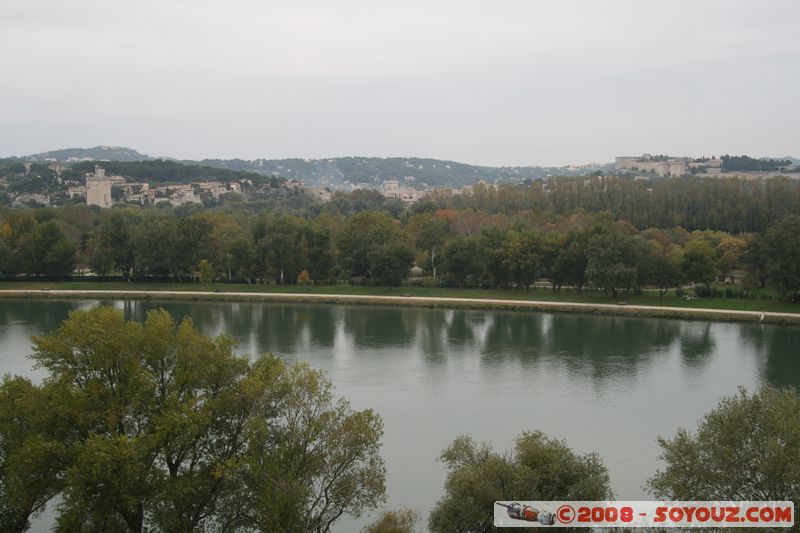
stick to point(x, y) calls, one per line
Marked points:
point(394, 189)
point(660, 165)
point(668, 166)
point(98, 188)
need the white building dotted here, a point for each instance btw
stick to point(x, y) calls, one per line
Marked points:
point(98, 188)
point(391, 188)
point(76, 192)
point(184, 195)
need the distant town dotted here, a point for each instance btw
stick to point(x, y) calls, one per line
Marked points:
point(43, 180)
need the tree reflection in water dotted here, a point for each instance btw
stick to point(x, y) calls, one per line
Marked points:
point(599, 347)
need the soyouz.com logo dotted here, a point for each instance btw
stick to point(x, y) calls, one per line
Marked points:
point(644, 514)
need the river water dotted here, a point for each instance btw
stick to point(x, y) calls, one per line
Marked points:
point(604, 384)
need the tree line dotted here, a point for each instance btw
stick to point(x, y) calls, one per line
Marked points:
point(747, 163)
point(732, 204)
point(457, 248)
point(155, 426)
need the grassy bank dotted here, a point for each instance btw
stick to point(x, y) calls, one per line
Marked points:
point(646, 304)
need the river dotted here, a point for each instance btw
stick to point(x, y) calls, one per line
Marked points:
point(605, 384)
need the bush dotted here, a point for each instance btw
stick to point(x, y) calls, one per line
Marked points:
point(738, 293)
point(540, 468)
point(430, 281)
point(702, 291)
point(747, 448)
point(402, 521)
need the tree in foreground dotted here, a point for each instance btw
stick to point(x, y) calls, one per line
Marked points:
point(540, 468)
point(747, 448)
point(402, 521)
point(156, 427)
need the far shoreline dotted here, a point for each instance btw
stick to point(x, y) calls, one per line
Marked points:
point(406, 300)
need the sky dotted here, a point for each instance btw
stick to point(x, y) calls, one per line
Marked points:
point(502, 82)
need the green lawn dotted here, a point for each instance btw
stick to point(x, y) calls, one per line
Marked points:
point(647, 298)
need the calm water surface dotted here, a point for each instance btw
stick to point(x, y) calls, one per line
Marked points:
point(605, 384)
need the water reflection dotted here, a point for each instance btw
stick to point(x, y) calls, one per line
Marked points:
point(432, 336)
point(612, 336)
point(465, 328)
point(513, 336)
point(599, 347)
point(380, 326)
point(40, 315)
point(697, 343)
point(602, 347)
point(779, 351)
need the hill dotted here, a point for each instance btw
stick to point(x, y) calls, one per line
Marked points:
point(341, 172)
point(161, 171)
point(338, 172)
point(96, 153)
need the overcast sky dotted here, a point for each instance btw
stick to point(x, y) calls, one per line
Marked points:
point(491, 82)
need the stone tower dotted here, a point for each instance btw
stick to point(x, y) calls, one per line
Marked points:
point(98, 188)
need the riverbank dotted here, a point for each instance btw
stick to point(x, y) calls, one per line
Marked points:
point(640, 305)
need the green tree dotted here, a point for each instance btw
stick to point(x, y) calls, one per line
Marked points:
point(491, 253)
point(303, 278)
point(101, 260)
point(431, 232)
point(389, 263)
point(192, 243)
point(160, 428)
point(357, 201)
point(262, 254)
point(522, 256)
point(319, 246)
point(699, 262)
point(34, 436)
point(571, 261)
point(782, 246)
point(402, 521)
point(729, 252)
point(747, 448)
point(539, 469)
point(240, 253)
point(755, 261)
point(205, 271)
point(6, 257)
point(665, 270)
point(155, 245)
point(51, 253)
point(612, 262)
point(461, 260)
point(360, 234)
point(110, 247)
point(282, 245)
point(17, 225)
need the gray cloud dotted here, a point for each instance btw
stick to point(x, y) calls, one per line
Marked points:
point(507, 82)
